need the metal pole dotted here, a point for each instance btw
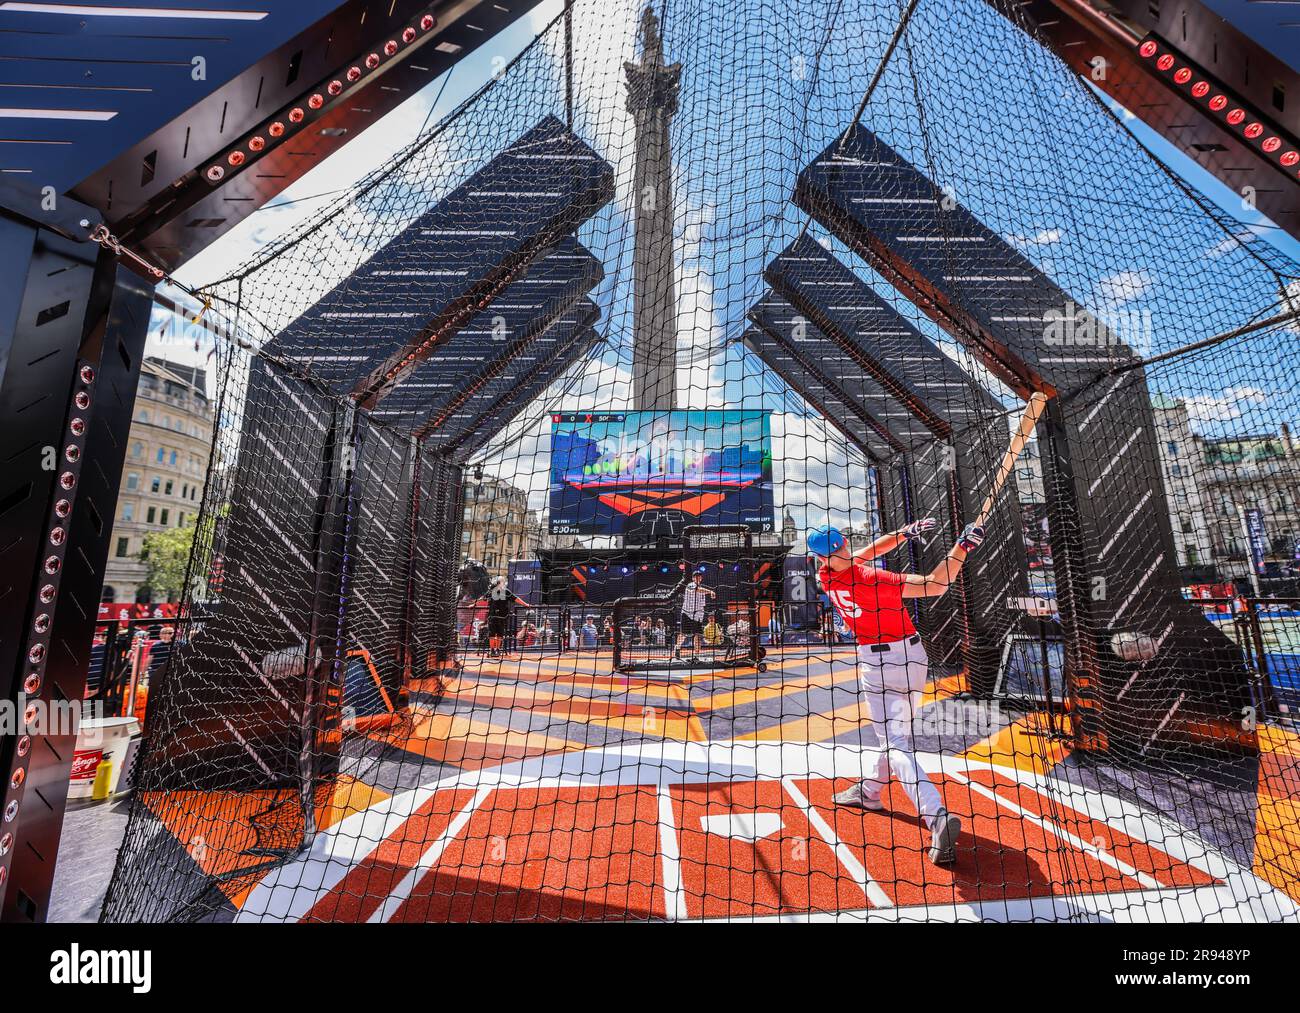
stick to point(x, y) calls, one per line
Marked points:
point(1250, 554)
point(568, 61)
point(884, 62)
point(1046, 658)
point(1261, 665)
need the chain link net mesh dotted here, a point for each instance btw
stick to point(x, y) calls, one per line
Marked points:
point(877, 250)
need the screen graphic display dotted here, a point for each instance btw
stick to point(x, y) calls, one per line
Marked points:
point(647, 475)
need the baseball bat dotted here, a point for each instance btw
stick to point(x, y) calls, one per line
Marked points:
point(1033, 411)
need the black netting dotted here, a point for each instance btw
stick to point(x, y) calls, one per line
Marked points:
point(782, 274)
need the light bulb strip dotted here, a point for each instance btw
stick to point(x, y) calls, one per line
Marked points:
point(70, 452)
point(318, 101)
point(1234, 115)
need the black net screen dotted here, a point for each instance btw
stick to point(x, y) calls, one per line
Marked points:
point(588, 530)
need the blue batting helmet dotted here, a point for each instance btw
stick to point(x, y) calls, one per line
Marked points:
point(824, 540)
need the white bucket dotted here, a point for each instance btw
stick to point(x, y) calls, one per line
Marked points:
point(98, 740)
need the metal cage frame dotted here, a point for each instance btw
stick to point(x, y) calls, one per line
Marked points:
point(752, 657)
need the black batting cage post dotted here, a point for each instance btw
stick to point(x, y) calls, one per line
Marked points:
point(440, 550)
point(406, 632)
point(326, 654)
point(72, 330)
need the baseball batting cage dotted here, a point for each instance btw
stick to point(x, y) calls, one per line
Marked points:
point(641, 305)
point(658, 633)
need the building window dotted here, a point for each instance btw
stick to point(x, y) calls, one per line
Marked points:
point(162, 455)
point(133, 481)
point(156, 484)
point(185, 490)
point(1176, 470)
point(151, 516)
point(144, 415)
point(163, 520)
point(180, 520)
point(137, 450)
point(128, 511)
point(168, 490)
point(1172, 447)
point(173, 458)
point(123, 547)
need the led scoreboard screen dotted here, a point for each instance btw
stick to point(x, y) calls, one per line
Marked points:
point(647, 475)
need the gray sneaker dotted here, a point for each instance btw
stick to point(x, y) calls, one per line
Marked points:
point(943, 838)
point(856, 798)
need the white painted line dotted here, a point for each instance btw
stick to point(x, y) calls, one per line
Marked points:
point(1134, 593)
point(1127, 521)
point(275, 609)
point(1097, 407)
point(670, 858)
point(1100, 854)
point(256, 669)
point(1143, 664)
point(399, 894)
point(875, 893)
point(1164, 721)
point(1118, 454)
point(93, 11)
point(247, 748)
point(90, 115)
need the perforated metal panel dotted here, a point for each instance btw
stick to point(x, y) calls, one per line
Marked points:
point(127, 112)
point(1101, 466)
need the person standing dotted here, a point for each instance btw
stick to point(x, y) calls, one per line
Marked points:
point(892, 665)
point(500, 601)
point(695, 597)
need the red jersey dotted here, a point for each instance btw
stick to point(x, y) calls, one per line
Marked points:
point(870, 601)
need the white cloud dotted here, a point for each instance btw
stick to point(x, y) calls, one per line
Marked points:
point(1045, 237)
point(1122, 287)
point(1228, 407)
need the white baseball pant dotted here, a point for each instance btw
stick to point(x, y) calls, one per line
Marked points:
point(892, 681)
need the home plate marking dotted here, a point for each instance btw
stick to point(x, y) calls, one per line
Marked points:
point(743, 826)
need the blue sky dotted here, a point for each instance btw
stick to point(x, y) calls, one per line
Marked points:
point(1012, 135)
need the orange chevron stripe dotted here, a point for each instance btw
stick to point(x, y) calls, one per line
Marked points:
point(813, 727)
point(741, 697)
point(696, 504)
point(1277, 814)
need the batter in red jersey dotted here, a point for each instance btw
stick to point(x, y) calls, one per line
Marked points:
point(892, 664)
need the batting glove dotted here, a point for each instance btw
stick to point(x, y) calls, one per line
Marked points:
point(918, 528)
point(971, 537)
